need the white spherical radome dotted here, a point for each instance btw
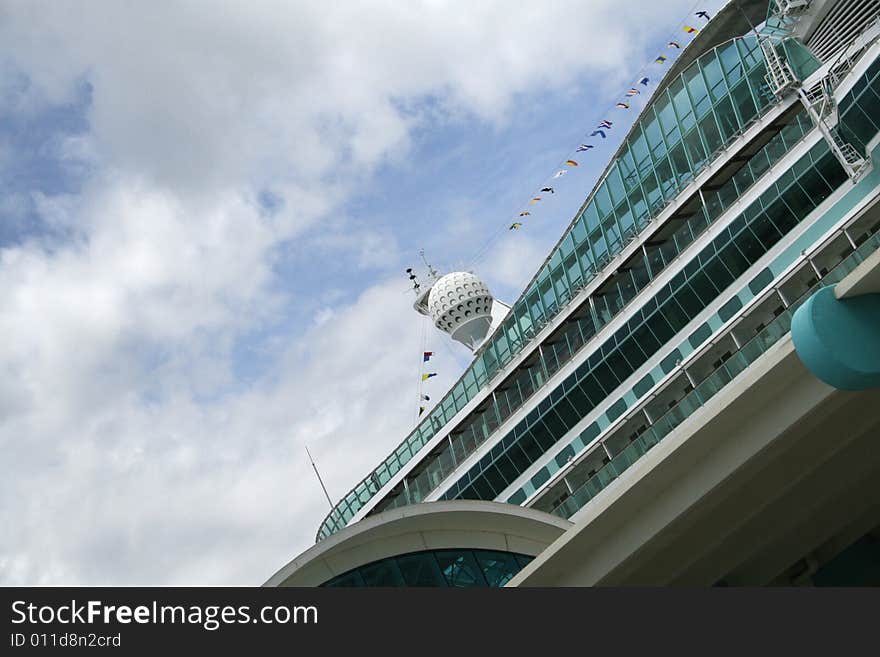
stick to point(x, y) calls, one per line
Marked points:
point(457, 299)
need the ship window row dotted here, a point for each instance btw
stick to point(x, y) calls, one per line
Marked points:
point(707, 107)
point(582, 326)
point(859, 110)
point(730, 255)
point(803, 62)
point(700, 363)
point(620, 450)
point(437, 568)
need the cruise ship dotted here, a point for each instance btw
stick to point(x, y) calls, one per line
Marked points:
point(687, 392)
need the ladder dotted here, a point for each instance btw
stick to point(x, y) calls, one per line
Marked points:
point(780, 77)
point(822, 108)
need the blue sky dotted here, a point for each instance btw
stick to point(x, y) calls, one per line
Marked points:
point(204, 223)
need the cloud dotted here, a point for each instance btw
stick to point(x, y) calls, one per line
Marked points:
point(208, 176)
point(198, 98)
point(512, 263)
point(120, 490)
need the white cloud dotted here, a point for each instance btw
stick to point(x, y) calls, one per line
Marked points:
point(132, 454)
point(197, 98)
point(512, 263)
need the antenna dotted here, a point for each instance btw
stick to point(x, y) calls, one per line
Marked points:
point(433, 273)
point(318, 474)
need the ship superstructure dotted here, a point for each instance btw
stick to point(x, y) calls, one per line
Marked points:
point(728, 252)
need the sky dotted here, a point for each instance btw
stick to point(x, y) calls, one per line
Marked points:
point(206, 211)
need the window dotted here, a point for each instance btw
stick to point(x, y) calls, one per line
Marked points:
point(643, 386)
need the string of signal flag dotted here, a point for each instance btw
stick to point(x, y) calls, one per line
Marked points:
point(601, 130)
point(424, 376)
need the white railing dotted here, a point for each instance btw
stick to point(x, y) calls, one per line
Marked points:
point(791, 7)
point(780, 77)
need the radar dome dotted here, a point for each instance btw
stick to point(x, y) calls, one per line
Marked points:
point(460, 304)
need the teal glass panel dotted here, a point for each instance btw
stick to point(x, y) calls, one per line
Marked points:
point(639, 147)
point(668, 120)
point(743, 102)
point(859, 110)
point(436, 568)
point(728, 121)
point(603, 201)
point(671, 361)
point(615, 185)
point(731, 62)
point(382, 573)
point(801, 60)
point(684, 110)
point(591, 215)
point(655, 138)
point(696, 86)
point(498, 567)
point(715, 80)
point(628, 171)
point(695, 149)
point(711, 133)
